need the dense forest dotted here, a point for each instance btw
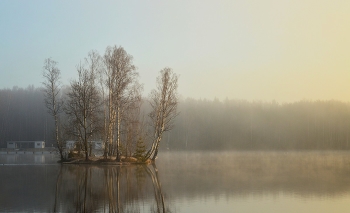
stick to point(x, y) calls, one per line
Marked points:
point(204, 124)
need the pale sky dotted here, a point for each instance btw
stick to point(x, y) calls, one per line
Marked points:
point(267, 50)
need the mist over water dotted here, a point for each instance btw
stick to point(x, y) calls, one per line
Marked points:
point(245, 181)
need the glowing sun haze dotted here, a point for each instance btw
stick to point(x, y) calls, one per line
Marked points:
point(254, 50)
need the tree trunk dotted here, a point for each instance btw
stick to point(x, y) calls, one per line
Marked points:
point(59, 145)
point(156, 149)
point(118, 135)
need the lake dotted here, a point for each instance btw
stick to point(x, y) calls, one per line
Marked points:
point(249, 181)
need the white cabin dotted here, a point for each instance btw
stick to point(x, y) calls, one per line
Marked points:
point(70, 144)
point(39, 144)
point(98, 145)
point(11, 145)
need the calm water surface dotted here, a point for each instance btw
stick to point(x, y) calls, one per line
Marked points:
point(181, 182)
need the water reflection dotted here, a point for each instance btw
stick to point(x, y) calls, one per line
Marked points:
point(117, 189)
point(28, 159)
point(181, 182)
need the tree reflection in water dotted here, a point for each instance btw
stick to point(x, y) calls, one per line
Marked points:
point(135, 188)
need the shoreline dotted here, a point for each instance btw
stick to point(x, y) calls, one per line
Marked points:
point(102, 161)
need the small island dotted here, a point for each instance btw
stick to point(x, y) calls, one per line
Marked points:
point(72, 155)
point(108, 161)
point(104, 105)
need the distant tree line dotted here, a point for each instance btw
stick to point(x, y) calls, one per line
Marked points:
point(202, 124)
point(23, 116)
point(244, 125)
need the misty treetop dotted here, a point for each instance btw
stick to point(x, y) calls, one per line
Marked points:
point(103, 104)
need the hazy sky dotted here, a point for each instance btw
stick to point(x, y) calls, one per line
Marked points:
point(248, 49)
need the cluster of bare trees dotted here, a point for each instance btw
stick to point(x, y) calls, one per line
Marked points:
point(104, 104)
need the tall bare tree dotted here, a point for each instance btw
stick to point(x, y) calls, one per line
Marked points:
point(83, 104)
point(94, 63)
point(118, 74)
point(164, 101)
point(52, 89)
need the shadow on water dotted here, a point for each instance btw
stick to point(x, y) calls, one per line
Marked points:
point(117, 189)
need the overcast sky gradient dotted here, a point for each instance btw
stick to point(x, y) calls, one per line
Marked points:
point(245, 49)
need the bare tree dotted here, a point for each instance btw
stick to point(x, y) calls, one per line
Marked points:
point(83, 104)
point(53, 102)
point(94, 64)
point(164, 101)
point(118, 74)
